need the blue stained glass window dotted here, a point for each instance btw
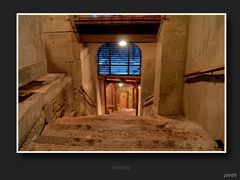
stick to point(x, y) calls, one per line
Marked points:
point(134, 55)
point(135, 70)
point(103, 70)
point(122, 70)
point(116, 60)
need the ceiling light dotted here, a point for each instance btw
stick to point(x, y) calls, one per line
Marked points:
point(94, 15)
point(122, 43)
point(120, 84)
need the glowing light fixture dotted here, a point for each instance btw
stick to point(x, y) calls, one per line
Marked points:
point(94, 15)
point(120, 84)
point(139, 87)
point(122, 43)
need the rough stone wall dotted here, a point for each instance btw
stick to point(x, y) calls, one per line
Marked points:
point(32, 62)
point(66, 54)
point(204, 101)
point(47, 45)
point(48, 102)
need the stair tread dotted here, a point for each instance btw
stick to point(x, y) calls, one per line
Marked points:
point(119, 144)
point(109, 133)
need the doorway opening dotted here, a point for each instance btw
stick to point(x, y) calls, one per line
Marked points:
point(122, 99)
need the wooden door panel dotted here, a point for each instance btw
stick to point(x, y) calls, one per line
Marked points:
point(123, 99)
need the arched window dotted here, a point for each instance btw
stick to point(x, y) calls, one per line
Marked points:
point(119, 60)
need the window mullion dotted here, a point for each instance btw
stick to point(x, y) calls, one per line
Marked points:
point(109, 59)
point(128, 59)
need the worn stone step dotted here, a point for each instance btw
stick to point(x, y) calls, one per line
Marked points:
point(111, 133)
point(162, 122)
point(119, 144)
point(102, 127)
point(105, 119)
point(73, 131)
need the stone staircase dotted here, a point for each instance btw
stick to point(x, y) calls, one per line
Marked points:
point(121, 133)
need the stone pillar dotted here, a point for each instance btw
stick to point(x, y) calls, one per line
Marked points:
point(171, 55)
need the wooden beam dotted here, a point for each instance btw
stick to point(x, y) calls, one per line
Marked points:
point(118, 77)
point(137, 92)
point(115, 22)
point(100, 18)
point(133, 97)
point(103, 38)
point(115, 97)
point(125, 82)
point(105, 97)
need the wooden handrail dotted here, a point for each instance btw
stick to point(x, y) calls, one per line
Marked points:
point(147, 101)
point(218, 68)
point(147, 98)
point(83, 91)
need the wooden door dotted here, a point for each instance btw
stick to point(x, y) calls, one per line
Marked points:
point(123, 97)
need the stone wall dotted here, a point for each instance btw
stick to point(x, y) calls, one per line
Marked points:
point(158, 67)
point(173, 59)
point(51, 100)
point(148, 68)
point(32, 62)
point(49, 53)
point(204, 101)
point(51, 96)
point(89, 76)
point(98, 84)
point(66, 54)
point(166, 81)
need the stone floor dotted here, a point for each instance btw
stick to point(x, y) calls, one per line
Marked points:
point(125, 112)
point(122, 133)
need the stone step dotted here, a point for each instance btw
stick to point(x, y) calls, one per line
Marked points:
point(106, 119)
point(162, 122)
point(89, 144)
point(102, 127)
point(111, 133)
point(73, 131)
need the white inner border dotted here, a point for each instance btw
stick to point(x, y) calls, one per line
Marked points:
point(225, 83)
